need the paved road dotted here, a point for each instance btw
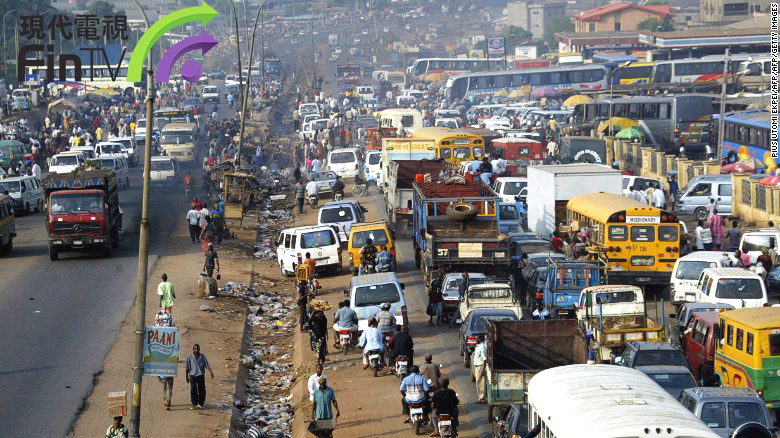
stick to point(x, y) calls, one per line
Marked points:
point(59, 319)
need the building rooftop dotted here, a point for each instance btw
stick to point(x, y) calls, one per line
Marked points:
point(663, 11)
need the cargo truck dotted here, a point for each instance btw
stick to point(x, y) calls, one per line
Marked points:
point(83, 212)
point(518, 350)
point(399, 192)
point(551, 187)
point(404, 149)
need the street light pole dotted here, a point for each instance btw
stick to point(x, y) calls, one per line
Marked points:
point(143, 251)
point(313, 67)
point(246, 95)
point(238, 52)
point(721, 122)
point(5, 56)
point(611, 88)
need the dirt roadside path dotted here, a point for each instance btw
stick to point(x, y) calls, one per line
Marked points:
point(219, 334)
point(369, 406)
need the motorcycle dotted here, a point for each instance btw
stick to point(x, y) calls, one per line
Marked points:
point(386, 337)
point(417, 416)
point(345, 339)
point(375, 360)
point(443, 424)
point(401, 366)
point(313, 201)
point(368, 268)
point(385, 267)
point(338, 196)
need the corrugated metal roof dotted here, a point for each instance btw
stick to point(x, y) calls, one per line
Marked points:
point(595, 14)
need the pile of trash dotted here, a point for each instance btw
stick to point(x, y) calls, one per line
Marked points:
point(268, 405)
point(269, 224)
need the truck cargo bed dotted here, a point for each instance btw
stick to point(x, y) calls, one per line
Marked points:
point(534, 345)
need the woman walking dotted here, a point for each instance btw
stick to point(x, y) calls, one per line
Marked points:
point(207, 235)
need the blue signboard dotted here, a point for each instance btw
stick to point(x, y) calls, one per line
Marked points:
point(161, 351)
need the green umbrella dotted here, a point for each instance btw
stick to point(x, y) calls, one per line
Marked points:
point(629, 133)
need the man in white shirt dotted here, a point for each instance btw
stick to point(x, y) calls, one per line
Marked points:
point(316, 165)
point(204, 212)
point(639, 195)
point(703, 237)
point(499, 166)
point(659, 198)
point(314, 380)
point(36, 170)
point(312, 189)
point(479, 359)
point(540, 313)
point(193, 219)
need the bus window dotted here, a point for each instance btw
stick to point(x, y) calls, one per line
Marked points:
point(462, 153)
point(748, 345)
point(536, 79)
point(730, 335)
point(620, 110)
point(445, 153)
point(740, 338)
point(603, 110)
point(555, 77)
point(479, 152)
point(650, 111)
point(407, 121)
point(592, 75)
point(668, 233)
point(665, 111)
point(642, 234)
point(618, 233)
point(575, 77)
point(663, 73)
point(634, 111)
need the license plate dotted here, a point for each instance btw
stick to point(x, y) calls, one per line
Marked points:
point(344, 337)
point(617, 268)
point(445, 423)
point(416, 411)
point(78, 242)
point(403, 364)
point(374, 356)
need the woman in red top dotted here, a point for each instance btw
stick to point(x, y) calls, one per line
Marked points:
point(557, 242)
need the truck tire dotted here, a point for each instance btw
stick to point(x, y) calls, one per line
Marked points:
point(700, 213)
point(54, 254)
point(461, 211)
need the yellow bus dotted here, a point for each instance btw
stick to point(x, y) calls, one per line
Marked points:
point(180, 140)
point(747, 351)
point(638, 242)
point(636, 73)
point(453, 145)
point(7, 224)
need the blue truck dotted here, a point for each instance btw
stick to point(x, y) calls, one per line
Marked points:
point(565, 280)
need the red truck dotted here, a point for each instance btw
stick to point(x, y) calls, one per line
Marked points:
point(83, 212)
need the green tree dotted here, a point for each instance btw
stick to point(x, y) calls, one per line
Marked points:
point(557, 25)
point(516, 36)
point(655, 25)
point(655, 3)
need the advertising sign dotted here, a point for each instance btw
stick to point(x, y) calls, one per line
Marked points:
point(161, 351)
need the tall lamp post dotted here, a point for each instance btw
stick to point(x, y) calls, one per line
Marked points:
point(143, 251)
point(238, 53)
point(611, 88)
point(5, 57)
point(246, 95)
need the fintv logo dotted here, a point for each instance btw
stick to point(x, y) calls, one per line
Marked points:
point(191, 70)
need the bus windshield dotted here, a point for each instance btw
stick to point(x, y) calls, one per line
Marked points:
point(176, 138)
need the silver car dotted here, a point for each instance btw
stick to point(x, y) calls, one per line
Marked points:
point(325, 181)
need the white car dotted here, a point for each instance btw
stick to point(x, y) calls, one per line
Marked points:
point(67, 162)
point(320, 241)
point(210, 94)
point(163, 170)
point(119, 164)
point(345, 162)
point(310, 127)
point(133, 151)
point(509, 188)
point(111, 149)
point(447, 123)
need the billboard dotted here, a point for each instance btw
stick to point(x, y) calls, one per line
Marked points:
point(161, 351)
point(496, 46)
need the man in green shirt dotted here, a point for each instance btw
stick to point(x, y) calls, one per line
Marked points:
point(166, 293)
point(323, 397)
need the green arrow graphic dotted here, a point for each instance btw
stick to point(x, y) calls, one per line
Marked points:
point(203, 13)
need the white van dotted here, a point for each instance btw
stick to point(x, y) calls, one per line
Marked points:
point(509, 188)
point(25, 192)
point(119, 164)
point(753, 241)
point(111, 149)
point(736, 286)
point(365, 92)
point(134, 152)
point(67, 162)
point(318, 240)
point(345, 162)
point(88, 151)
point(405, 101)
point(638, 182)
point(688, 269)
point(695, 197)
point(373, 165)
point(163, 170)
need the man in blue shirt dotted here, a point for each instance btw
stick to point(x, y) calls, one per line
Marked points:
point(323, 398)
point(344, 319)
point(371, 339)
point(414, 389)
point(384, 261)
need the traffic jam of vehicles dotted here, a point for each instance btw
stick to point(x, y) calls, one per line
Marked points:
point(583, 230)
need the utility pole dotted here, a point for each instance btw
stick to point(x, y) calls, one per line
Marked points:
point(143, 251)
point(721, 122)
point(262, 51)
point(238, 53)
point(246, 95)
point(313, 67)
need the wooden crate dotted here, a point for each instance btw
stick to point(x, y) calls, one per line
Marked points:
point(117, 404)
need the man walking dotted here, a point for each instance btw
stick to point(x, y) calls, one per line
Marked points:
point(193, 219)
point(211, 259)
point(300, 194)
point(167, 294)
point(463, 287)
point(478, 359)
point(314, 380)
point(197, 364)
point(435, 300)
point(323, 398)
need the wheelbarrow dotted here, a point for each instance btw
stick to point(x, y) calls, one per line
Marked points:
point(323, 428)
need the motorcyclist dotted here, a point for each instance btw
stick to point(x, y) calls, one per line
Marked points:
point(338, 187)
point(367, 254)
point(402, 345)
point(384, 260)
point(386, 320)
point(371, 340)
point(344, 319)
point(414, 389)
point(445, 401)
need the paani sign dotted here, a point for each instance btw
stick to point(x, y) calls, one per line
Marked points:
point(643, 220)
point(161, 351)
